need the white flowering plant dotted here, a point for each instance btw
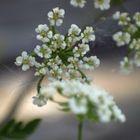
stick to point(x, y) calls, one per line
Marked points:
point(130, 37)
point(60, 56)
point(84, 100)
point(98, 4)
point(62, 59)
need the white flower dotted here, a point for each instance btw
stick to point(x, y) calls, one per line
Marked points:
point(122, 38)
point(116, 16)
point(73, 34)
point(137, 59)
point(94, 95)
point(60, 56)
point(131, 37)
point(58, 41)
point(39, 100)
point(137, 18)
point(90, 62)
point(104, 114)
point(78, 107)
point(55, 67)
point(43, 51)
point(135, 44)
point(41, 69)
point(74, 30)
point(102, 4)
point(56, 73)
point(42, 28)
point(126, 66)
point(83, 99)
point(81, 50)
point(72, 73)
point(47, 91)
point(55, 16)
point(25, 60)
point(118, 114)
point(88, 35)
point(78, 3)
point(54, 62)
point(132, 28)
point(44, 33)
point(123, 18)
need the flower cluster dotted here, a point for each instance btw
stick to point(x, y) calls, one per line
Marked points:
point(123, 18)
point(60, 56)
point(82, 99)
point(102, 4)
point(126, 66)
point(63, 58)
point(78, 3)
point(122, 38)
point(130, 36)
point(137, 18)
point(99, 4)
point(55, 16)
point(25, 61)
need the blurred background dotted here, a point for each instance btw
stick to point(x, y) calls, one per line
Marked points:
point(18, 19)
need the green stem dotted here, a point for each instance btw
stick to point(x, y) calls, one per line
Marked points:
point(80, 130)
point(129, 51)
point(83, 76)
point(39, 83)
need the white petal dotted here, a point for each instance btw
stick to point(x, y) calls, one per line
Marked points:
point(25, 67)
point(19, 61)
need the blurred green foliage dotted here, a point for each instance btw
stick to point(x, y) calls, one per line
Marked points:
point(136, 35)
point(14, 130)
point(117, 2)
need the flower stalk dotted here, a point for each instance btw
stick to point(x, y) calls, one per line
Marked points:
point(39, 83)
point(80, 130)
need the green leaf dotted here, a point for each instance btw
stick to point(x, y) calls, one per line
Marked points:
point(18, 130)
point(31, 126)
point(8, 128)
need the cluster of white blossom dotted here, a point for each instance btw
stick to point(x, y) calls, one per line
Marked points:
point(122, 38)
point(78, 3)
point(55, 16)
point(126, 66)
point(137, 59)
point(99, 4)
point(25, 61)
point(60, 56)
point(123, 18)
point(130, 36)
point(102, 4)
point(137, 18)
point(83, 100)
point(46, 92)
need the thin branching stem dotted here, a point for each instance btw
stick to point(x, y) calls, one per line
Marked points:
point(39, 83)
point(83, 76)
